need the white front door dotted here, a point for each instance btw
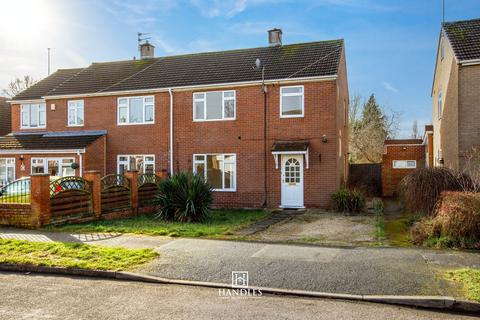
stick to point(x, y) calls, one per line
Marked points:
point(292, 181)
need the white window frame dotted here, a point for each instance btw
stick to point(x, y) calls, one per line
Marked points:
point(292, 95)
point(396, 164)
point(204, 100)
point(75, 106)
point(204, 162)
point(145, 104)
point(135, 155)
point(45, 164)
point(28, 112)
point(7, 165)
point(440, 105)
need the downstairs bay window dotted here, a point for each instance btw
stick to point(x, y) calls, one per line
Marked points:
point(59, 167)
point(219, 170)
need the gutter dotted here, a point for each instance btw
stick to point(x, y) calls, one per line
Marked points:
point(471, 62)
point(170, 92)
point(192, 87)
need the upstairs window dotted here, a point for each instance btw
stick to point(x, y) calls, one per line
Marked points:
point(291, 102)
point(33, 115)
point(75, 113)
point(215, 105)
point(136, 110)
point(440, 105)
point(404, 164)
point(219, 170)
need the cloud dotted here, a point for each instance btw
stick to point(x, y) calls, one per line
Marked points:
point(227, 8)
point(357, 4)
point(389, 87)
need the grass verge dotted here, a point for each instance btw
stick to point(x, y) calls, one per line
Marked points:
point(220, 223)
point(72, 255)
point(470, 279)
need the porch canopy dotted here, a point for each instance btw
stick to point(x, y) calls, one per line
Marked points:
point(290, 147)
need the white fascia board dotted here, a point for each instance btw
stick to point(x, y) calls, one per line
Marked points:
point(471, 62)
point(26, 101)
point(46, 151)
point(194, 87)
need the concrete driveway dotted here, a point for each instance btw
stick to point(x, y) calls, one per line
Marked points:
point(47, 297)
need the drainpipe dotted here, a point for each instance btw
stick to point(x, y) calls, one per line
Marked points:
point(80, 169)
point(171, 130)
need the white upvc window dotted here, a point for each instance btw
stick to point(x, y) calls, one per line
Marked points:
point(7, 170)
point(75, 113)
point(291, 102)
point(60, 167)
point(142, 163)
point(404, 164)
point(219, 170)
point(136, 110)
point(439, 105)
point(214, 105)
point(33, 115)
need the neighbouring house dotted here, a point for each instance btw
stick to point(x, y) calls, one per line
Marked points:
point(456, 93)
point(283, 143)
point(400, 158)
point(5, 117)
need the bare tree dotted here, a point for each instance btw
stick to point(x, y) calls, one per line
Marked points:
point(469, 176)
point(18, 85)
point(368, 132)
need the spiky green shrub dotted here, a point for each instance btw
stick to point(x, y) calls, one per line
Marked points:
point(185, 197)
point(346, 200)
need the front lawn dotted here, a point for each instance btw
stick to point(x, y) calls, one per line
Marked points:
point(220, 223)
point(470, 280)
point(72, 255)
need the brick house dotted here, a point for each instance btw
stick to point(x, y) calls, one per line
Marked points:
point(5, 117)
point(277, 142)
point(400, 158)
point(456, 93)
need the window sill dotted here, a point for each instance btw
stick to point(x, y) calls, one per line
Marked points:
point(296, 116)
point(224, 190)
point(75, 125)
point(135, 124)
point(33, 128)
point(213, 120)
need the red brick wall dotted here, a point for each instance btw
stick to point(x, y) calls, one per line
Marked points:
point(16, 215)
point(243, 136)
point(390, 176)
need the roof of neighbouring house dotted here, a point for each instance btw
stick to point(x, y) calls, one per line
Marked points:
point(313, 59)
point(403, 141)
point(464, 37)
point(50, 140)
point(281, 146)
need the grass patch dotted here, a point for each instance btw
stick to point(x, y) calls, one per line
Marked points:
point(219, 223)
point(397, 232)
point(470, 279)
point(72, 255)
point(310, 239)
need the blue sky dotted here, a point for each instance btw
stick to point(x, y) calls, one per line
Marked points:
point(391, 44)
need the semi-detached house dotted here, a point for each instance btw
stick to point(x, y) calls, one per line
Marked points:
point(272, 135)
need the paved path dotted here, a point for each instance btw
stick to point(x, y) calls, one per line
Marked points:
point(328, 269)
point(47, 297)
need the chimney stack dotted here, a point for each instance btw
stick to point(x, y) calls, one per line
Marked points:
point(275, 37)
point(147, 50)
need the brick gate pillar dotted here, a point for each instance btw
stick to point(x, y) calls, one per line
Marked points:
point(40, 199)
point(95, 179)
point(133, 177)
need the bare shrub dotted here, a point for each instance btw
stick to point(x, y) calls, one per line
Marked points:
point(421, 189)
point(458, 215)
point(421, 231)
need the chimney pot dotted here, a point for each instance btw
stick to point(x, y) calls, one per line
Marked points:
point(147, 50)
point(275, 37)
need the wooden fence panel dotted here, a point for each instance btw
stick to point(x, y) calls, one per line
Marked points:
point(367, 177)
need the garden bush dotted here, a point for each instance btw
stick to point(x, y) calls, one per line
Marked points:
point(185, 197)
point(347, 200)
point(421, 189)
point(456, 222)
